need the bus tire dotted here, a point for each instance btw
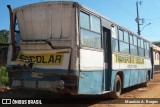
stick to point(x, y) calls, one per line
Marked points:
point(117, 87)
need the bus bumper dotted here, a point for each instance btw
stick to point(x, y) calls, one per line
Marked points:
point(43, 81)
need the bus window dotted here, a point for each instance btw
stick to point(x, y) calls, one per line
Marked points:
point(141, 51)
point(121, 35)
point(17, 33)
point(145, 49)
point(135, 40)
point(115, 38)
point(139, 42)
point(90, 30)
point(126, 39)
point(114, 32)
point(123, 42)
point(146, 53)
point(147, 46)
point(84, 20)
point(142, 48)
point(124, 47)
point(131, 39)
point(95, 24)
point(90, 39)
point(142, 44)
point(115, 45)
point(133, 49)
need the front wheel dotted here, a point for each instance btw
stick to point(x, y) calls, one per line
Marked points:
point(117, 87)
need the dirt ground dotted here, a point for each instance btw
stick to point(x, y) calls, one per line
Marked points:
point(152, 91)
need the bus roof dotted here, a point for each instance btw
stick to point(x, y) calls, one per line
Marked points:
point(86, 9)
point(113, 22)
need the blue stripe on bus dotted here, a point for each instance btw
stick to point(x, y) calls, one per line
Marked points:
point(95, 82)
point(26, 75)
point(56, 71)
point(135, 77)
point(91, 83)
point(127, 78)
point(142, 76)
point(133, 80)
point(131, 77)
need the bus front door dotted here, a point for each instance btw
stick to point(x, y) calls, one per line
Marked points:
point(107, 58)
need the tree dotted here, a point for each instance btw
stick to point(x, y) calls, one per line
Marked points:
point(3, 37)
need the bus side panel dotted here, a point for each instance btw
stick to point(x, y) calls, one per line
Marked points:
point(131, 77)
point(91, 83)
point(142, 74)
point(127, 75)
point(134, 77)
point(91, 72)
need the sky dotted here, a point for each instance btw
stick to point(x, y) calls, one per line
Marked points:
point(122, 12)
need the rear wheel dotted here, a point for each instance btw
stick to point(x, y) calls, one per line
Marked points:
point(117, 88)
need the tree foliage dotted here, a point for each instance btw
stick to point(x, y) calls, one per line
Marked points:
point(4, 80)
point(3, 36)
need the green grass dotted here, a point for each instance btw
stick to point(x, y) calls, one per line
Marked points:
point(4, 80)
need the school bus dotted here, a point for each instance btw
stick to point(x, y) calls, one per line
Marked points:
point(67, 48)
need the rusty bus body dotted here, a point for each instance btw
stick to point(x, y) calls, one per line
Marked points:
point(67, 48)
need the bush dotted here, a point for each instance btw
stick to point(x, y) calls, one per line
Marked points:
point(4, 80)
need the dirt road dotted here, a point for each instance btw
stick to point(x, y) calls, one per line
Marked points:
point(152, 91)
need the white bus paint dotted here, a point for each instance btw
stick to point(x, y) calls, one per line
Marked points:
point(91, 60)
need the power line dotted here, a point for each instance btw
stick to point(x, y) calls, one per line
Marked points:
point(153, 19)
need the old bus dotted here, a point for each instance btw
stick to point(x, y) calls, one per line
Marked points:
point(67, 48)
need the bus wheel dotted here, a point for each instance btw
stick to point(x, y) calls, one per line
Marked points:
point(117, 88)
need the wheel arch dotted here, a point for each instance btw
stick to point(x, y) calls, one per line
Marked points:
point(114, 93)
point(120, 73)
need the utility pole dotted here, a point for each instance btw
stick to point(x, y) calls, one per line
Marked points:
point(137, 19)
